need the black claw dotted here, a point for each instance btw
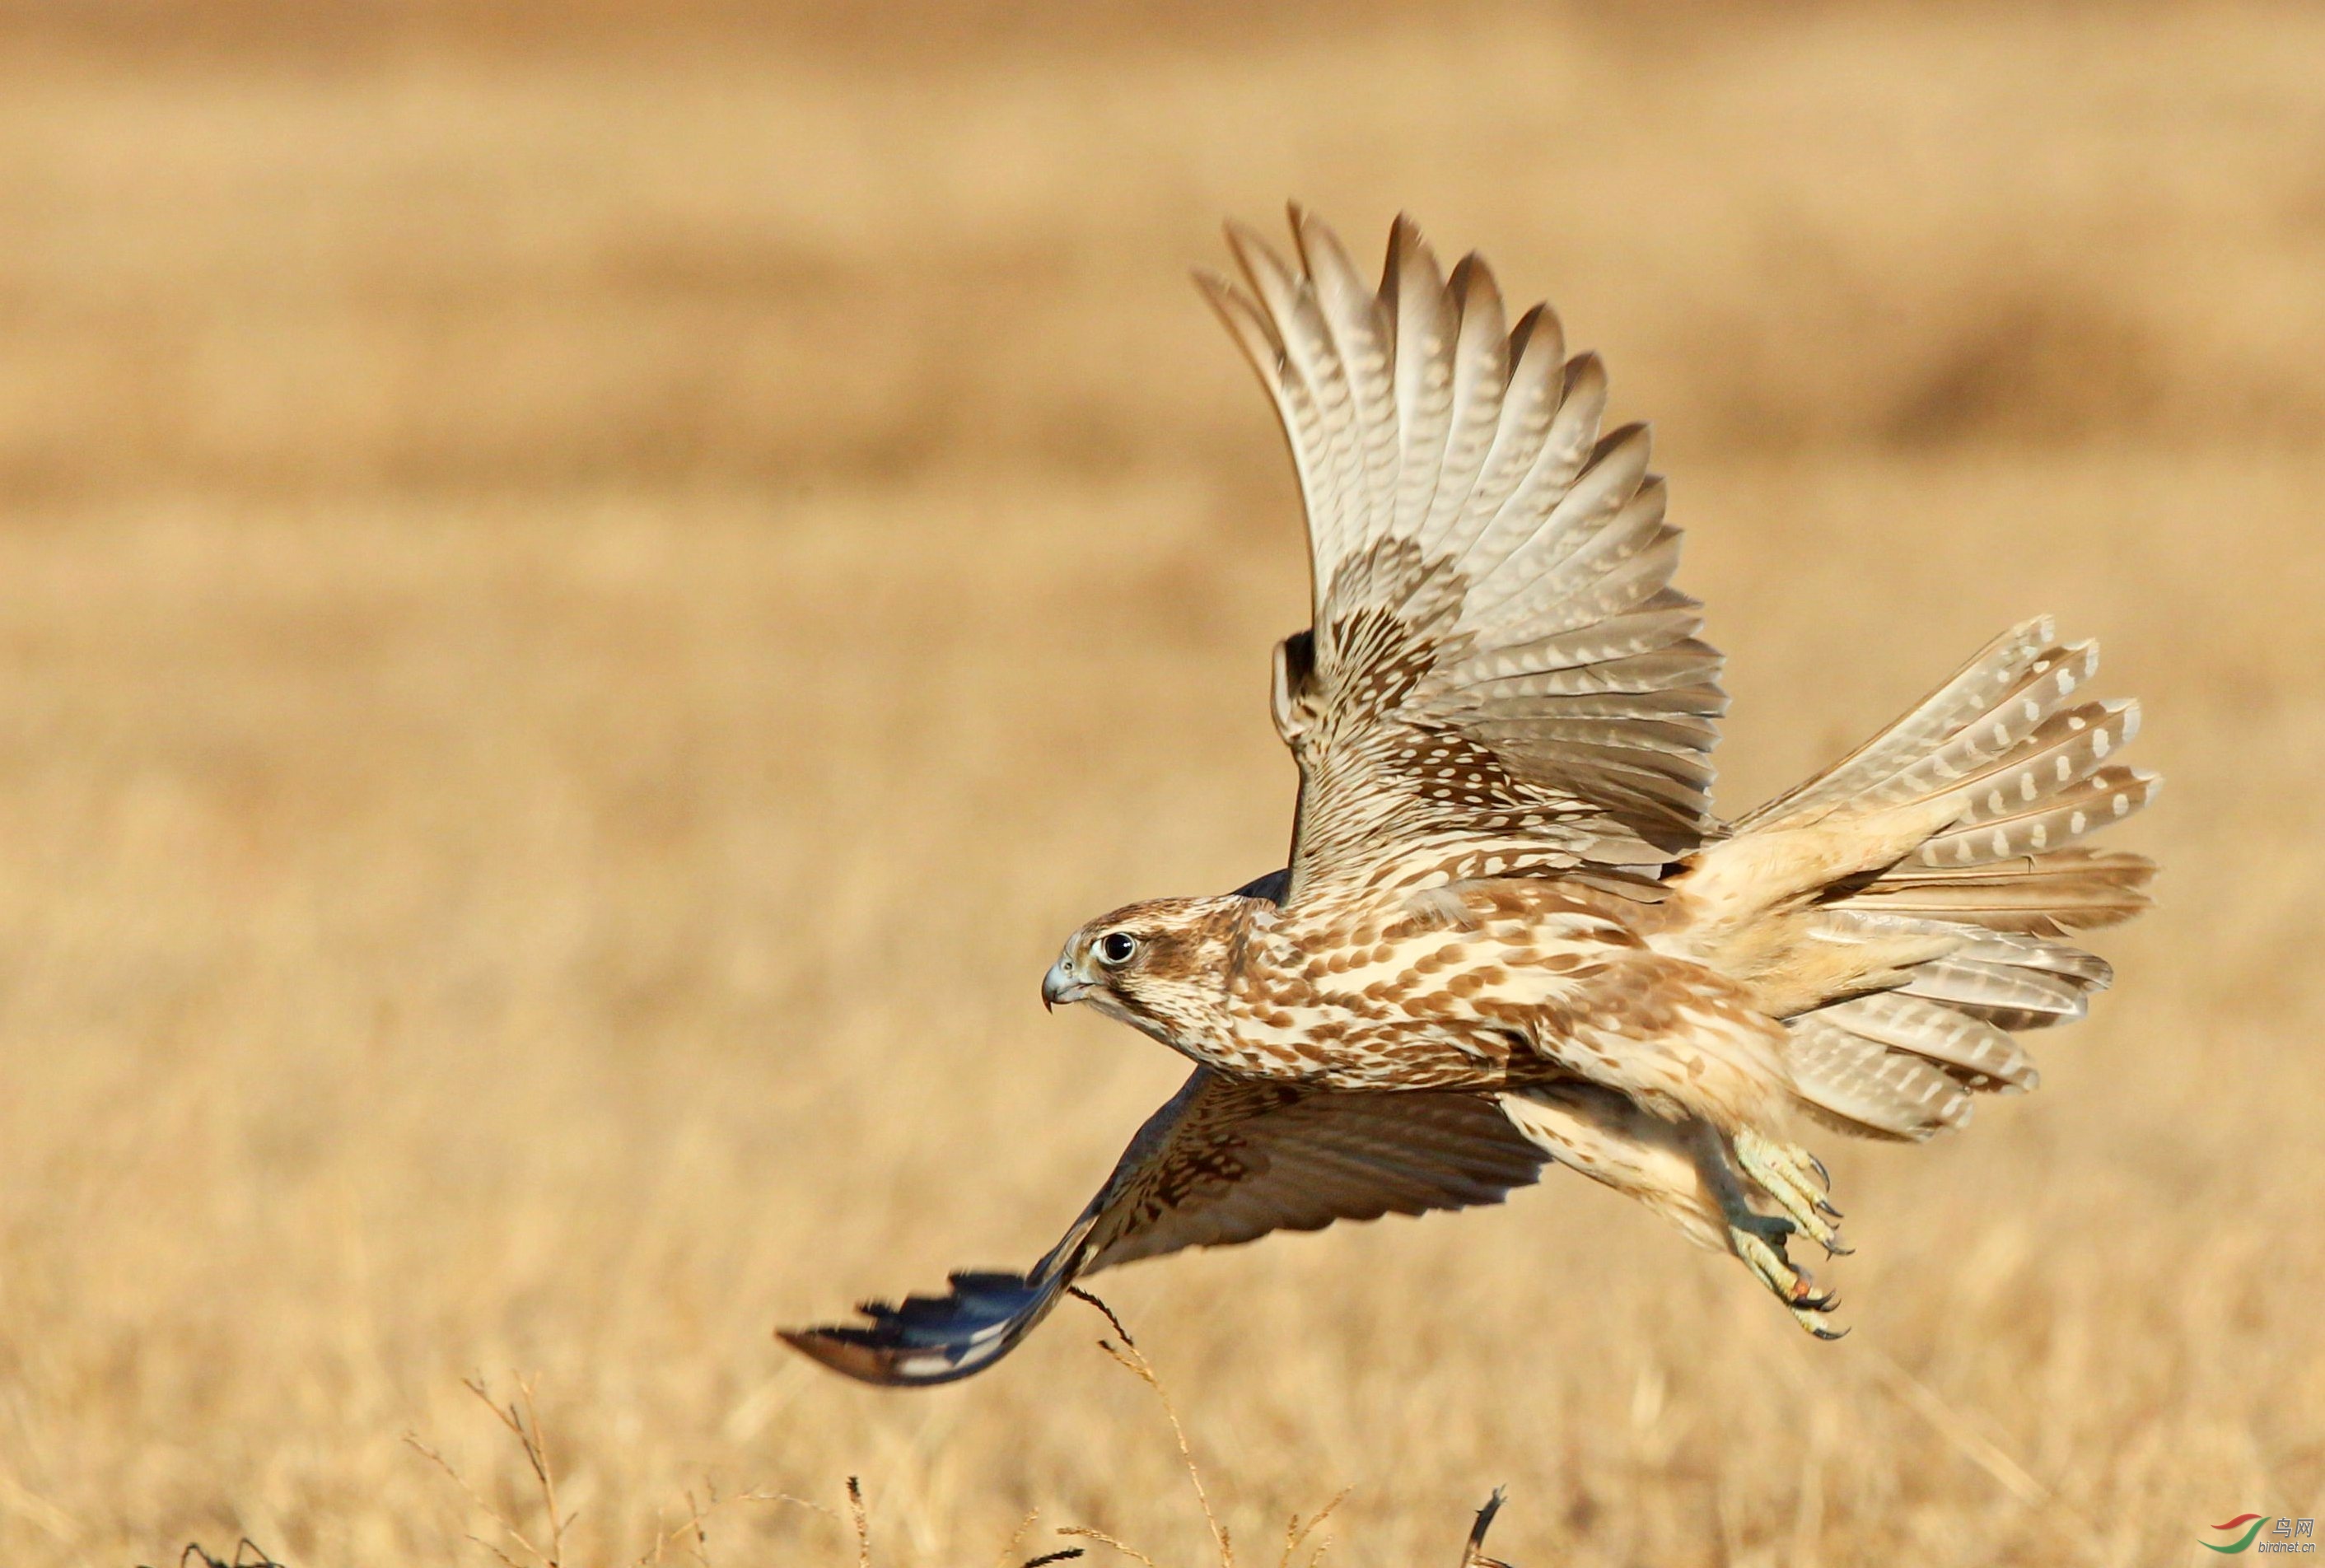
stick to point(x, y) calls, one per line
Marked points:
point(1822, 1332)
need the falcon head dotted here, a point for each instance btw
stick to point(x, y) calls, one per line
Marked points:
point(1161, 967)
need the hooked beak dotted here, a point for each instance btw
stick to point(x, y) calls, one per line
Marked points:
point(1062, 984)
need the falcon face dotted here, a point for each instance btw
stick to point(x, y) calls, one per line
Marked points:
point(1156, 965)
point(1513, 931)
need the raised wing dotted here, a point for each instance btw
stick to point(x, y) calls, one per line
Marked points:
point(1224, 1161)
point(1499, 679)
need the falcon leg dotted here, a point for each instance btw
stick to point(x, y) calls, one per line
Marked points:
point(1797, 1182)
point(1758, 1240)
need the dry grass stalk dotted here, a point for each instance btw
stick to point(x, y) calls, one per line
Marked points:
point(1009, 1547)
point(1473, 1554)
point(1086, 1533)
point(694, 1527)
point(856, 1517)
point(522, 1420)
point(697, 1527)
point(1127, 1354)
point(1295, 1531)
point(1958, 1429)
point(1125, 1351)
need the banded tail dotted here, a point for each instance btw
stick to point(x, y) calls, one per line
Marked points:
point(1903, 910)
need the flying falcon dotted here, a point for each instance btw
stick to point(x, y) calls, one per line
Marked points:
point(1512, 931)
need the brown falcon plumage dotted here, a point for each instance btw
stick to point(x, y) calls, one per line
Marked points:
point(1512, 931)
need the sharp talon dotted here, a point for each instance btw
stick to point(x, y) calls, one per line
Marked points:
point(1783, 1174)
point(1809, 1310)
point(1793, 1178)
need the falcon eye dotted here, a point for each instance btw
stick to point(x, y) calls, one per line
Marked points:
point(1116, 947)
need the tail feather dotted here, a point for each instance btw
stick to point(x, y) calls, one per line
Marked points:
point(2013, 750)
point(2012, 767)
point(1968, 1047)
point(2005, 994)
point(2028, 773)
point(2045, 896)
point(1857, 1085)
point(2093, 801)
point(1975, 692)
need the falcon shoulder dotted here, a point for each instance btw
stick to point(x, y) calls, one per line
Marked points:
point(1499, 678)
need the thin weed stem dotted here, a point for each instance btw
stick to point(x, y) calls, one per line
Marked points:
point(1085, 1533)
point(1128, 1355)
point(1295, 1531)
point(862, 1523)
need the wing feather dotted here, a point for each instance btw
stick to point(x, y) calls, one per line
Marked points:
point(1530, 406)
point(1481, 373)
point(1223, 1162)
point(1489, 571)
point(1412, 290)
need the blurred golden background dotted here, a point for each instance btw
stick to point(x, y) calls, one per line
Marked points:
point(585, 591)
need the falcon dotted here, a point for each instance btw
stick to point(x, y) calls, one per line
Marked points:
point(1512, 931)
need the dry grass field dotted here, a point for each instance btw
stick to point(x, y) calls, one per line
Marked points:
point(586, 592)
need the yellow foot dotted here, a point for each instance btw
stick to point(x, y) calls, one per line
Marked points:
point(1759, 1241)
point(1797, 1184)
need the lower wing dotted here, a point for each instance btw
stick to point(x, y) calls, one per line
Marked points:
point(1224, 1161)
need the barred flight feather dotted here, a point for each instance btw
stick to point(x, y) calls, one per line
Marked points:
point(1952, 1039)
point(1970, 693)
point(1472, 537)
point(2007, 996)
point(1869, 1088)
point(2045, 895)
point(2065, 748)
point(2106, 796)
